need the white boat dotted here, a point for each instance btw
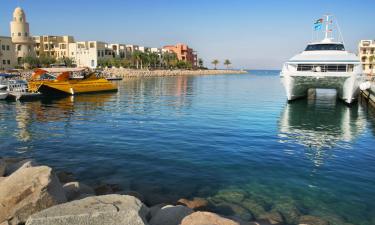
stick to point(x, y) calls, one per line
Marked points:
point(3, 95)
point(323, 64)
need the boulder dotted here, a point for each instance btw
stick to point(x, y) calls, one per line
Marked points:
point(195, 203)
point(155, 209)
point(205, 218)
point(2, 167)
point(312, 220)
point(65, 177)
point(77, 190)
point(27, 191)
point(97, 210)
point(170, 215)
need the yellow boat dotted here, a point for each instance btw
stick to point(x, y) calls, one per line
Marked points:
point(44, 83)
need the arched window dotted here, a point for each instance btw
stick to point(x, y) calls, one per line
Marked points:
point(21, 19)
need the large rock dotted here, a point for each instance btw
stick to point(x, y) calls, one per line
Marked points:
point(289, 212)
point(206, 218)
point(27, 191)
point(195, 203)
point(170, 215)
point(255, 208)
point(97, 210)
point(77, 190)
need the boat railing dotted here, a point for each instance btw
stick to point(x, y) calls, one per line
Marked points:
point(325, 67)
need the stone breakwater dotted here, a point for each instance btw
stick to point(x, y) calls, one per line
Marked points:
point(130, 73)
point(34, 194)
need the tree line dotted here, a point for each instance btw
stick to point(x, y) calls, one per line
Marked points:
point(137, 60)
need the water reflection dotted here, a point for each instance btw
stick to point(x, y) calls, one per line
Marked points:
point(321, 122)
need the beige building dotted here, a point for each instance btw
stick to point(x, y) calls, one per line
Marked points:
point(54, 46)
point(20, 33)
point(366, 51)
point(88, 53)
point(7, 54)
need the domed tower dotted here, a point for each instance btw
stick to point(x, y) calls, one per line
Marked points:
point(21, 38)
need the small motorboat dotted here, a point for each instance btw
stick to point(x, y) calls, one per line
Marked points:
point(3, 95)
point(65, 84)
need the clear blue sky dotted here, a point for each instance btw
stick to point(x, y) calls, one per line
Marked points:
point(252, 34)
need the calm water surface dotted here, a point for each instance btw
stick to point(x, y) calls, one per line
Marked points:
point(217, 137)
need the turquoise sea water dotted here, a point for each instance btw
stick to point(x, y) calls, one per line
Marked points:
point(230, 138)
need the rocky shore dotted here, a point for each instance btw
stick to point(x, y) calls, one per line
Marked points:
point(35, 194)
point(130, 73)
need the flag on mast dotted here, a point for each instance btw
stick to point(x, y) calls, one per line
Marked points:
point(318, 24)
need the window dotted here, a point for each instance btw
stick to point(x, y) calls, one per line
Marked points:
point(26, 34)
point(19, 47)
point(4, 62)
point(12, 34)
point(3, 47)
point(325, 47)
point(8, 48)
point(92, 45)
point(92, 63)
point(19, 34)
point(98, 53)
point(8, 62)
point(325, 67)
point(21, 19)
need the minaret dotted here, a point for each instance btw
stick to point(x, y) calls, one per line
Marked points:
point(20, 32)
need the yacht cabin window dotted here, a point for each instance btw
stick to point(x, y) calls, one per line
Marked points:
point(325, 47)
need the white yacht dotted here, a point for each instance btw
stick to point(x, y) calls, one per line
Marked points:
point(323, 64)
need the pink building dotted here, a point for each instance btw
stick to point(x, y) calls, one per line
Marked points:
point(184, 53)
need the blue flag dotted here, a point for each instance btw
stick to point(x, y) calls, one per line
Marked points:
point(318, 27)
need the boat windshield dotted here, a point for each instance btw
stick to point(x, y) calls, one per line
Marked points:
point(325, 47)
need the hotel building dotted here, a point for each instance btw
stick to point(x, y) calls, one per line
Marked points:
point(184, 53)
point(366, 51)
point(7, 53)
point(54, 46)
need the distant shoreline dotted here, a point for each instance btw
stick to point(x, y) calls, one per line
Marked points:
point(129, 73)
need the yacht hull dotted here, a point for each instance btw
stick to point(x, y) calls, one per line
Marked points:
point(297, 84)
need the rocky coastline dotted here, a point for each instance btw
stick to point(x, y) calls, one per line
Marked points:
point(131, 73)
point(35, 194)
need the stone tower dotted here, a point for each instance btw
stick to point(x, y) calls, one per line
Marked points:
point(20, 32)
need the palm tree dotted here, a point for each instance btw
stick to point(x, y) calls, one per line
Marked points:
point(200, 62)
point(137, 57)
point(154, 59)
point(169, 59)
point(215, 62)
point(227, 63)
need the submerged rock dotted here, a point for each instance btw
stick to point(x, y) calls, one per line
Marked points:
point(289, 212)
point(170, 215)
point(231, 209)
point(98, 210)
point(255, 208)
point(312, 220)
point(195, 203)
point(231, 195)
point(27, 191)
point(77, 190)
point(272, 218)
point(105, 189)
point(155, 209)
point(206, 218)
